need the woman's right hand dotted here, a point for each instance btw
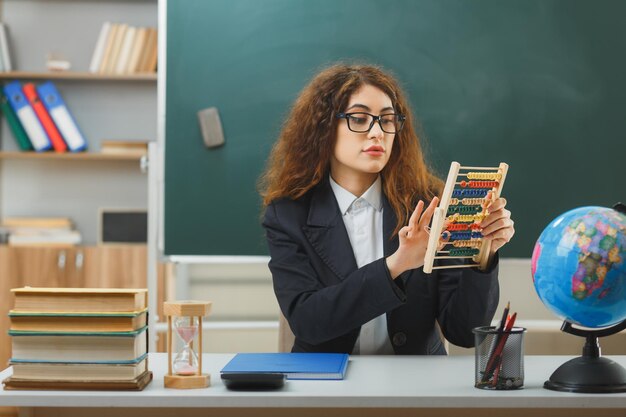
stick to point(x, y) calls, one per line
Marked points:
point(413, 240)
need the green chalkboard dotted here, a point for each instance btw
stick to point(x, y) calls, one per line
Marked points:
point(539, 84)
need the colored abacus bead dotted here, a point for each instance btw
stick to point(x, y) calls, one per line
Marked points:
point(484, 175)
point(463, 251)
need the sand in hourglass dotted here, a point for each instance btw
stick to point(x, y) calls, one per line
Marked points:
point(186, 333)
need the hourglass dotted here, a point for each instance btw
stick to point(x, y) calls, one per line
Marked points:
point(185, 370)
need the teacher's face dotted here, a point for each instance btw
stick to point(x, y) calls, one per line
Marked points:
point(363, 154)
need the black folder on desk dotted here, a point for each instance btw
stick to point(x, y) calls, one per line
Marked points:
point(293, 365)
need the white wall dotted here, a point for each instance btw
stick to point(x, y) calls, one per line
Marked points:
point(244, 293)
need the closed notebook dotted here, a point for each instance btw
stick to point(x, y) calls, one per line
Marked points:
point(294, 365)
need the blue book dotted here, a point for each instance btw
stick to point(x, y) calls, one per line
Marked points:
point(27, 117)
point(293, 365)
point(61, 116)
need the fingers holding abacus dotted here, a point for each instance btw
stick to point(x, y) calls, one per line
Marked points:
point(498, 225)
point(444, 239)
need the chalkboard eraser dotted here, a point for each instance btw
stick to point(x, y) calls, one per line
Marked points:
point(211, 127)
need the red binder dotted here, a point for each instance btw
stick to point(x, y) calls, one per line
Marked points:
point(53, 133)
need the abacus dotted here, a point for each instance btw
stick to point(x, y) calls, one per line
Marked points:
point(464, 204)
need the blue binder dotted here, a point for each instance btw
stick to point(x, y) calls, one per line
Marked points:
point(66, 124)
point(26, 115)
point(294, 365)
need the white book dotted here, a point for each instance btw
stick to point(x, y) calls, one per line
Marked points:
point(135, 52)
point(98, 52)
point(4, 48)
point(108, 47)
point(47, 237)
point(1, 61)
point(116, 47)
point(127, 46)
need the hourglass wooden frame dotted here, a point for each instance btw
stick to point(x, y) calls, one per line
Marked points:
point(191, 309)
point(464, 203)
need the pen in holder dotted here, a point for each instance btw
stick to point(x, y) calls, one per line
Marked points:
point(499, 363)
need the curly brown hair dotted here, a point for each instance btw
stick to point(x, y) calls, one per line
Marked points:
point(301, 156)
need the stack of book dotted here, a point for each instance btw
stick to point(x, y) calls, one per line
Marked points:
point(39, 118)
point(123, 49)
point(40, 231)
point(79, 338)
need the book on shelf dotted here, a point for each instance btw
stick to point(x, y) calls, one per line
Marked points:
point(40, 231)
point(45, 237)
point(58, 144)
point(38, 222)
point(21, 138)
point(150, 58)
point(27, 117)
point(101, 43)
point(62, 117)
point(294, 365)
point(115, 48)
point(5, 53)
point(127, 45)
point(136, 384)
point(146, 53)
point(124, 147)
point(108, 48)
point(124, 49)
point(79, 347)
point(135, 54)
point(79, 300)
point(78, 322)
point(46, 371)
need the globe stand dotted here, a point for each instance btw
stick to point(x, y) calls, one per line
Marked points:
point(589, 373)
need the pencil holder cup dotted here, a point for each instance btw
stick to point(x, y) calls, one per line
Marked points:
point(499, 358)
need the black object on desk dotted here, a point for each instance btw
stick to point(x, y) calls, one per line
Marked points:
point(590, 373)
point(253, 381)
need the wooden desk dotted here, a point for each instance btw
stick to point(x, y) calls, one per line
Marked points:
point(374, 386)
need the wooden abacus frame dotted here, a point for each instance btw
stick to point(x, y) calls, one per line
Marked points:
point(441, 214)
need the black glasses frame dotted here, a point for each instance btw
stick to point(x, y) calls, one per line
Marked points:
point(400, 121)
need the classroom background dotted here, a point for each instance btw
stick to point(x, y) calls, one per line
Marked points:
point(536, 84)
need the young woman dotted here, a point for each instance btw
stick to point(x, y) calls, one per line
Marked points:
point(348, 200)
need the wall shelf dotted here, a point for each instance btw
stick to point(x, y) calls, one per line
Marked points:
point(77, 76)
point(91, 156)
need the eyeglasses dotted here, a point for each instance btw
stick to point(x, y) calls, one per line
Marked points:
point(362, 122)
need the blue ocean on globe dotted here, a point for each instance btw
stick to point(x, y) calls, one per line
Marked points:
point(579, 267)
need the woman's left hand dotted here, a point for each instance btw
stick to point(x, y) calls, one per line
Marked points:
point(498, 226)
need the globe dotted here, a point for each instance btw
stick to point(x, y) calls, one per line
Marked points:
point(579, 266)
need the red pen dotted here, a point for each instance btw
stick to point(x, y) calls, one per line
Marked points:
point(497, 354)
